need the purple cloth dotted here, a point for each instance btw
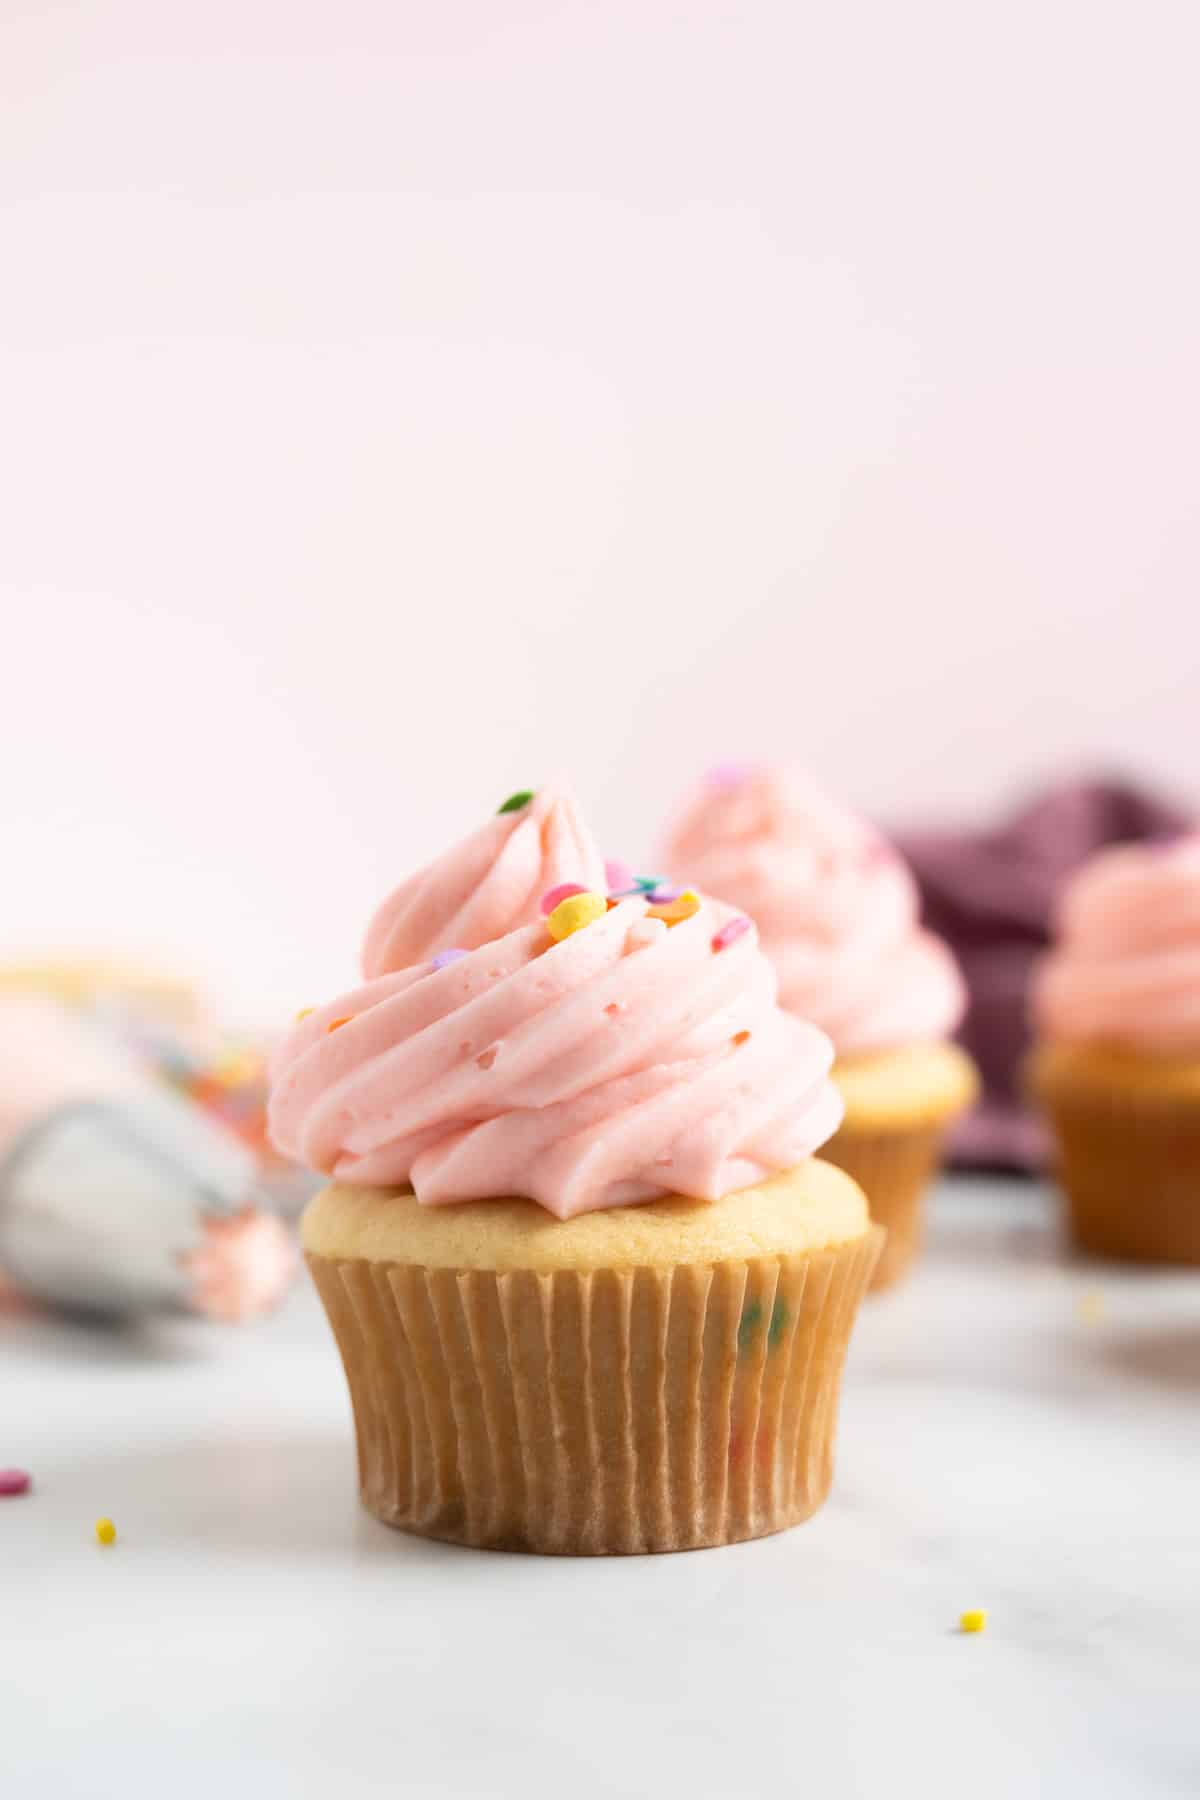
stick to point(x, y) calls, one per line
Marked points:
point(990, 895)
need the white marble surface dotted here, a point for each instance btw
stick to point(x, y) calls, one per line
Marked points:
point(254, 1631)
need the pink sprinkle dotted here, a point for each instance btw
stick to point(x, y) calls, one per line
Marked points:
point(15, 1481)
point(729, 775)
point(618, 876)
point(557, 895)
point(730, 932)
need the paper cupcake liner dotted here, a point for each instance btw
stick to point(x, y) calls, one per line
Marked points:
point(1130, 1168)
point(596, 1414)
point(894, 1167)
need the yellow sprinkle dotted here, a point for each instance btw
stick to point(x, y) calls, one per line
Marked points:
point(974, 1621)
point(106, 1531)
point(305, 1013)
point(677, 910)
point(237, 1068)
point(573, 913)
point(1090, 1307)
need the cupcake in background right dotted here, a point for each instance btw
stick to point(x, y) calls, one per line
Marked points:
point(1116, 1067)
point(837, 910)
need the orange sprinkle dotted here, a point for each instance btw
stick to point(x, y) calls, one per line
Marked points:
point(674, 912)
point(337, 1024)
point(741, 1037)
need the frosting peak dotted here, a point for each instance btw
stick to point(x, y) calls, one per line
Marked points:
point(1126, 967)
point(485, 886)
point(837, 907)
point(642, 1054)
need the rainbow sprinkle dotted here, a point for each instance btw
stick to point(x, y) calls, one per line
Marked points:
point(976, 1620)
point(516, 802)
point(730, 932)
point(336, 1024)
point(683, 905)
point(106, 1531)
point(574, 913)
point(728, 775)
point(619, 878)
point(556, 895)
point(444, 958)
point(15, 1481)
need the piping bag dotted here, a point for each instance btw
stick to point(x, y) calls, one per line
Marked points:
point(118, 1197)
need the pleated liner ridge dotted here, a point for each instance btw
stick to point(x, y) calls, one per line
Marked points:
point(1130, 1167)
point(596, 1414)
point(894, 1168)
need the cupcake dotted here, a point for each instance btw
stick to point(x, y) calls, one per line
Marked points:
point(591, 1290)
point(1116, 1066)
point(837, 912)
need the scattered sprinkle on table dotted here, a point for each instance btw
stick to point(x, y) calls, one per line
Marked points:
point(573, 914)
point(1090, 1307)
point(106, 1531)
point(730, 932)
point(974, 1621)
point(15, 1481)
point(444, 958)
point(517, 801)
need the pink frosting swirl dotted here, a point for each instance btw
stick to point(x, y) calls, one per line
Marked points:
point(485, 886)
point(1126, 968)
point(835, 904)
point(628, 1061)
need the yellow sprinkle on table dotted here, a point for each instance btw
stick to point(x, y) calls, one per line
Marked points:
point(1090, 1307)
point(106, 1531)
point(574, 913)
point(973, 1621)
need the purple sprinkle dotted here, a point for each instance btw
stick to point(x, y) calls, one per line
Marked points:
point(663, 896)
point(730, 932)
point(445, 957)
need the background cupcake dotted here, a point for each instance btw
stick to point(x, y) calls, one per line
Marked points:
point(1117, 1068)
point(642, 1350)
point(837, 913)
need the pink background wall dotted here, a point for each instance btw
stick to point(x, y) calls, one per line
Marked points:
point(400, 401)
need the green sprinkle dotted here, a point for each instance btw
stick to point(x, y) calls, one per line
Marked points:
point(750, 1321)
point(515, 802)
point(778, 1325)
